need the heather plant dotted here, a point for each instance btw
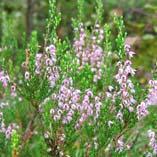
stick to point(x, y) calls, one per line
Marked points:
point(74, 99)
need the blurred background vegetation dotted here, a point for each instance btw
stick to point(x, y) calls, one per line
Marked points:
point(24, 16)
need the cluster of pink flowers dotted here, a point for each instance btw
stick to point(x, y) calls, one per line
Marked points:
point(4, 79)
point(69, 103)
point(142, 109)
point(13, 90)
point(152, 95)
point(129, 53)
point(126, 86)
point(90, 106)
point(88, 51)
point(152, 141)
point(7, 130)
point(120, 144)
point(119, 116)
point(47, 62)
point(38, 63)
point(67, 98)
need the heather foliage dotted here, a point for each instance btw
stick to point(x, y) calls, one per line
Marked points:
point(79, 99)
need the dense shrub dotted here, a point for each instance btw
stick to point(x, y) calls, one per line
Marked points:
point(74, 99)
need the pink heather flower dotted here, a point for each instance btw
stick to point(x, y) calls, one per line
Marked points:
point(51, 49)
point(126, 85)
point(7, 130)
point(119, 116)
point(128, 51)
point(152, 96)
point(127, 47)
point(108, 94)
point(47, 62)
point(88, 108)
point(98, 105)
point(27, 75)
point(89, 51)
point(150, 100)
point(4, 79)
point(52, 69)
point(66, 97)
point(46, 135)
point(120, 145)
point(152, 141)
point(38, 63)
point(38, 58)
point(53, 77)
point(13, 90)
point(127, 90)
point(142, 110)
point(37, 71)
point(10, 129)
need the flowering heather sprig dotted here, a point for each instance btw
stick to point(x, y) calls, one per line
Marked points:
point(98, 104)
point(151, 99)
point(88, 50)
point(119, 116)
point(4, 79)
point(98, 34)
point(69, 103)
point(38, 63)
point(67, 99)
point(90, 106)
point(126, 86)
point(7, 130)
point(48, 61)
point(52, 69)
point(129, 53)
point(10, 129)
point(152, 95)
point(51, 50)
point(96, 60)
point(111, 94)
point(142, 110)
point(152, 141)
point(120, 145)
point(79, 45)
